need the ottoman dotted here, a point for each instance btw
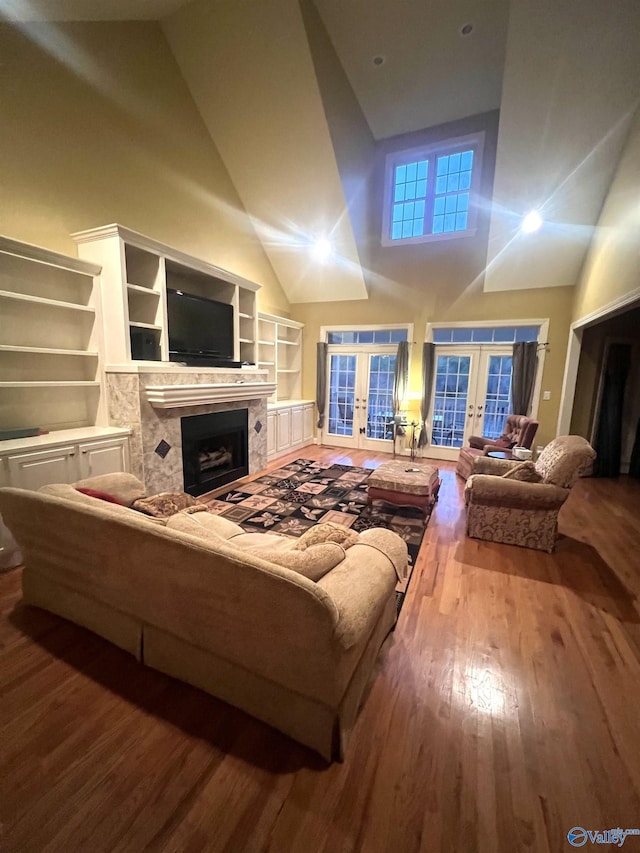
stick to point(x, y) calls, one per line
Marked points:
point(405, 483)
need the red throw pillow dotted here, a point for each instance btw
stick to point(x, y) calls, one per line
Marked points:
point(102, 496)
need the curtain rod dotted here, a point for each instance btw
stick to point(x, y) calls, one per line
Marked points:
point(541, 344)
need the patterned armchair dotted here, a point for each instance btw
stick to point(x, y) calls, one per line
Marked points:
point(501, 508)
point(518, 430)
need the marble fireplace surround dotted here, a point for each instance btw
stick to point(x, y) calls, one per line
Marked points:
point(151, 399)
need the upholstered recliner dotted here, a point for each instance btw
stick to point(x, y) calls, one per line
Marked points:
point(501, 508)
point(519, 430)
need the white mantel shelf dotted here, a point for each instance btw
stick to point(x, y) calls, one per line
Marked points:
point(178, 396)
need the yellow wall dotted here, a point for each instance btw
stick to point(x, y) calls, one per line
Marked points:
point(612, 267)
point(111, 134)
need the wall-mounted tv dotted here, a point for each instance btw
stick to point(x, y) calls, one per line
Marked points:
point(200, 330)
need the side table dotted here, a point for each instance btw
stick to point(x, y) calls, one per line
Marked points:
point(500, 454)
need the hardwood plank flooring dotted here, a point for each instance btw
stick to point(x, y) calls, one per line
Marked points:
point(504, 712)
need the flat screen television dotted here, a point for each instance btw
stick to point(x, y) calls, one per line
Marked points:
point(199, 328)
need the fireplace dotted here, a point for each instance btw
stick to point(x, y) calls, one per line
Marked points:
point(214, 450)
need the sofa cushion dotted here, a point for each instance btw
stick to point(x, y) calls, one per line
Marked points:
point(70, 493)
point(123, 486)
point(101, 496)
point(314, 562)
point(167, 504)
point(525, 472)
point(326, 532)
point(204, 525)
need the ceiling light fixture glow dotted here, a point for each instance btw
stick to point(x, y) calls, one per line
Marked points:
point(322, 249)
point(531, 222)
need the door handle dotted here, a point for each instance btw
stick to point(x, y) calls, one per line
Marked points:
point(470, 415)
point(479, 415)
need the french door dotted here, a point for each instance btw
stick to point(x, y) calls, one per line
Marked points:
point(471, 396)
point(359, 406)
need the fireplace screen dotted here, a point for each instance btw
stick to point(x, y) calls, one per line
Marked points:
point(214, 450)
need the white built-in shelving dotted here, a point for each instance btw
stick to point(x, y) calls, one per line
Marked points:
point(136, 272)
point(50, 340)
point(280, 352)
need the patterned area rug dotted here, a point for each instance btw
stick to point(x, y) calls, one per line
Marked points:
point(295, 497)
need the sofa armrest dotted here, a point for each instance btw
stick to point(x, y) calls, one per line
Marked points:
point(488, 465)
point(360, 586)
point(491, 446)
point(483, 489)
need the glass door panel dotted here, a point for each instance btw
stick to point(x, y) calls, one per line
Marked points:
point(449, 410)
point(360, 400)
point(342, 393)
point(497, 400)
point(379, 401)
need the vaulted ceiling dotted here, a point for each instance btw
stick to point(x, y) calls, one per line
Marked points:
point(565, 77)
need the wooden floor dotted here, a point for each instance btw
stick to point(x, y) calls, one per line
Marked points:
point(504, 712)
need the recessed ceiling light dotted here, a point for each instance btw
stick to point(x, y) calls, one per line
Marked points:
point(322, 249)
point(531, 222)
point(466, 29)
point(379, 60)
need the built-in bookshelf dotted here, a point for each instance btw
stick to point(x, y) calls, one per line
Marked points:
point(280, 353)
point(50, 340)
point(136, 272)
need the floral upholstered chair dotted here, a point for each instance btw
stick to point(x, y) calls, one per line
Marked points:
point(518, 502)
point(518, 429)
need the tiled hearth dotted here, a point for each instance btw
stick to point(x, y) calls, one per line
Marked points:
point(151, 400)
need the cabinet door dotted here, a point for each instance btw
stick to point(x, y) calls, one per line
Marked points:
point(39, 468)
point(296, 426)
point(104, 457)
point(271, 433)
point(307, 423)
point(283, 440)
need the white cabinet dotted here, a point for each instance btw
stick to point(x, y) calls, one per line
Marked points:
point(32, 470)
point(136, 272)
point(308, 421)
point(296, 426)
point(280, 353)
point(271, 434)
point(34, 462)
point(283, 429)
point(103, 457)
point(289, 426)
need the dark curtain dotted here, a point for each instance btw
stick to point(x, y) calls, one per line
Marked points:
point(523, 374)
point(400, 382)
point(428, 368)
point(321, 381)
point(634, 465)
point(609, 432)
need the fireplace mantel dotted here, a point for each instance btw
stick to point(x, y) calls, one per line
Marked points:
point(178, 396)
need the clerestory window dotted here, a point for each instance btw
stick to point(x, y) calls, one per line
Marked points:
point(431, 193)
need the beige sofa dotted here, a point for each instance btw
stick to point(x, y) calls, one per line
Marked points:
point(204, 607)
